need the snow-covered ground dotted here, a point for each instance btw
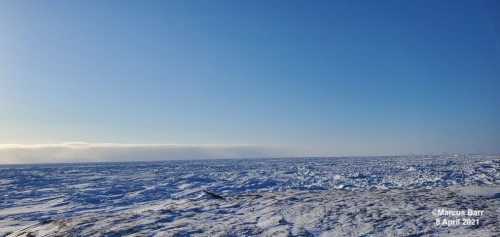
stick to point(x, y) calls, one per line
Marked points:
point(357, 196)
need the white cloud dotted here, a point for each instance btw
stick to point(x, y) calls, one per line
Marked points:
point(97, 152)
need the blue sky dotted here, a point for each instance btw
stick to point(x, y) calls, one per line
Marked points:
point(335, 78)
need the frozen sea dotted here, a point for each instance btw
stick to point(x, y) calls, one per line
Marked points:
point(352, 196)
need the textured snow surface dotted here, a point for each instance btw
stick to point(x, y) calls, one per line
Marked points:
point(362, 196)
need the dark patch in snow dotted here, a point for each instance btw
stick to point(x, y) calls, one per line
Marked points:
point(216, 196)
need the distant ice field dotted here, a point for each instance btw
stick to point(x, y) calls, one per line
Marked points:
point(88, 197)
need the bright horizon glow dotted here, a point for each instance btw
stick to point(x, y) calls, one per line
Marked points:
point(323, 78)
point(112, 152)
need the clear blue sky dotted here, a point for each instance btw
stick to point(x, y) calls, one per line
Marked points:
point(337, 77)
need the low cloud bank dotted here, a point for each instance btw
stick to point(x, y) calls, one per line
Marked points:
point(108, 152)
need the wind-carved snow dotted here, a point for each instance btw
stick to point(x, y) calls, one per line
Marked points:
point(361, 196)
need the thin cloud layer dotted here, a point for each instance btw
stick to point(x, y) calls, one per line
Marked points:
point(108, 152)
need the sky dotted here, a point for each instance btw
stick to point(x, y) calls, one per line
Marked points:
point(247, 79)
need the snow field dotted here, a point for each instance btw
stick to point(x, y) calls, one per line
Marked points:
point(360, 196)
